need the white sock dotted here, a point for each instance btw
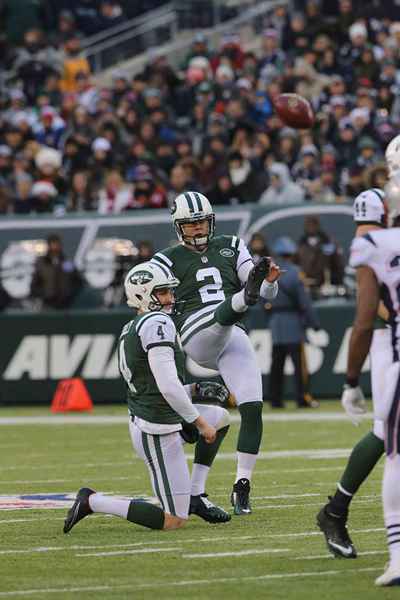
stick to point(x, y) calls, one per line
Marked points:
point(245, 465)
point(238, 303)
point(199, 478)
point(391, 506)
point(109, 504)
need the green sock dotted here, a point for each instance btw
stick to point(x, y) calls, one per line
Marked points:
point(146, 514)
point(362, 460)
point(225, 315)
point(251, 427)
point(204, 453)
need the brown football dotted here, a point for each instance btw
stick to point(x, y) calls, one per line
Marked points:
point(294, 110)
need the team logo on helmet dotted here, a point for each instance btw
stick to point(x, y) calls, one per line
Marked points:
point(226, 252)
point(141, 277)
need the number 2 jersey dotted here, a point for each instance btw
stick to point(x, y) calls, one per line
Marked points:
point(145, 400)
point(380, 250)
point(206, 279)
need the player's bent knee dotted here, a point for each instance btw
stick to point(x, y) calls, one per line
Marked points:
point(173, 522)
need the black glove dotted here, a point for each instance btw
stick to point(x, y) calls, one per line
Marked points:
point(189, 432)
point(211, 391)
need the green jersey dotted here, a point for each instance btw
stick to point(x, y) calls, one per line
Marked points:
point(137, 338)
point(206, 279)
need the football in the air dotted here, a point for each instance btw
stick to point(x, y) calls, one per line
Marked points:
point(294, 110)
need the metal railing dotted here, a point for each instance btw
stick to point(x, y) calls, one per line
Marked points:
point(129, 25)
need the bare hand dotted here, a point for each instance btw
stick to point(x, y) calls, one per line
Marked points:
point(274, 273)
point(208, 432)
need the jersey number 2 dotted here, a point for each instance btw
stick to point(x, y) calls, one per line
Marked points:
point(212, 291)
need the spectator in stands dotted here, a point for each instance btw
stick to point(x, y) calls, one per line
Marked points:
point(224, 192)
point(282, 190)
point(50, 129)
point(46, 199)
point(55, 281)
point(319, 257)
point(81, 196)
point(116, 196)
point(34, 62)
point(110, 14)
point(73, 62)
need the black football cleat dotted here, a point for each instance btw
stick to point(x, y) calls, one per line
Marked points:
point(240, 497)
point(205, 509)
point(79, 510)
point(336, 535)
point(256, 276)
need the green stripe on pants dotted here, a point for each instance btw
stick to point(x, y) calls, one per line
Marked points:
point(151, 465)
point(157, 445)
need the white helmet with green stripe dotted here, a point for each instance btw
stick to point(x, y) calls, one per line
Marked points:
point(141, 283)
point(190, 207)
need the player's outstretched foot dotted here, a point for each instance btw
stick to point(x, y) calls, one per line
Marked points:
point(240, 497)
point(79, 510)
point(205, 509)
point(390, 577)
point(254, 280)
point(336, 535)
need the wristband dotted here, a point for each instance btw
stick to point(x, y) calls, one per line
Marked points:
point(352, 382)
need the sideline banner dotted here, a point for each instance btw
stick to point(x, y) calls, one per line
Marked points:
point(41, 349)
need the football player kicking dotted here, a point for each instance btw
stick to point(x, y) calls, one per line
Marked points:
point(218, 282)
point(162, 415)
point(370, 214)
point(376, 256)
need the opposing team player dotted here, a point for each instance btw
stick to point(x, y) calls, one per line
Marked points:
point(218, 281)
point(376, 256)
point(370, 214)
point(162, 414)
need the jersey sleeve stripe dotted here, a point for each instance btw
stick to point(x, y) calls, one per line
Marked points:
point(161, 257)
point(369, 238)
point(157, 344)
point(162, 268)
point(244, 262)
point(234, 240)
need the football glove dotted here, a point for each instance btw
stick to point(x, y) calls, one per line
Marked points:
point(189, 432)
point(211, 391)
point(354, 403)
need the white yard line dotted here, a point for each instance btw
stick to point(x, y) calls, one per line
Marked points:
point(119, 419)
point(199, 540)
point(238, 553)
point(159, 585)
point(123, 552)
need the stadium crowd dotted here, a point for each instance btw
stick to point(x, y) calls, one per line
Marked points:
point(67, 144)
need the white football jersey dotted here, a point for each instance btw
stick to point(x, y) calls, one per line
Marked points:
point(380, 250)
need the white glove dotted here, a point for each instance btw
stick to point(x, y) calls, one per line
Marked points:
point(354, 403)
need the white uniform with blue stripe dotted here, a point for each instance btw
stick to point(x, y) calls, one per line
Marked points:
point(380, 250)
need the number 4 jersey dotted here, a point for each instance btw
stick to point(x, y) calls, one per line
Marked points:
point(206, 278)
point(145, 400)
point(380, 250)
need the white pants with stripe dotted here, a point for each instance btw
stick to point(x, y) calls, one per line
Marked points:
point(166, 462)
point(229, 351)
point(381, 356)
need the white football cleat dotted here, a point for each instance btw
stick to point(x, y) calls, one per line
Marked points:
point(390, 577)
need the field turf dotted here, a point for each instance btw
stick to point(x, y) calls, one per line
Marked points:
point(276, 553)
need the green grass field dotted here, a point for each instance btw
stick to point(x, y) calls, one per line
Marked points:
point(275, 553)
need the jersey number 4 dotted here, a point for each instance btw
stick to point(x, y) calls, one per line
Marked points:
point(212, 291)
point(123, 367)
